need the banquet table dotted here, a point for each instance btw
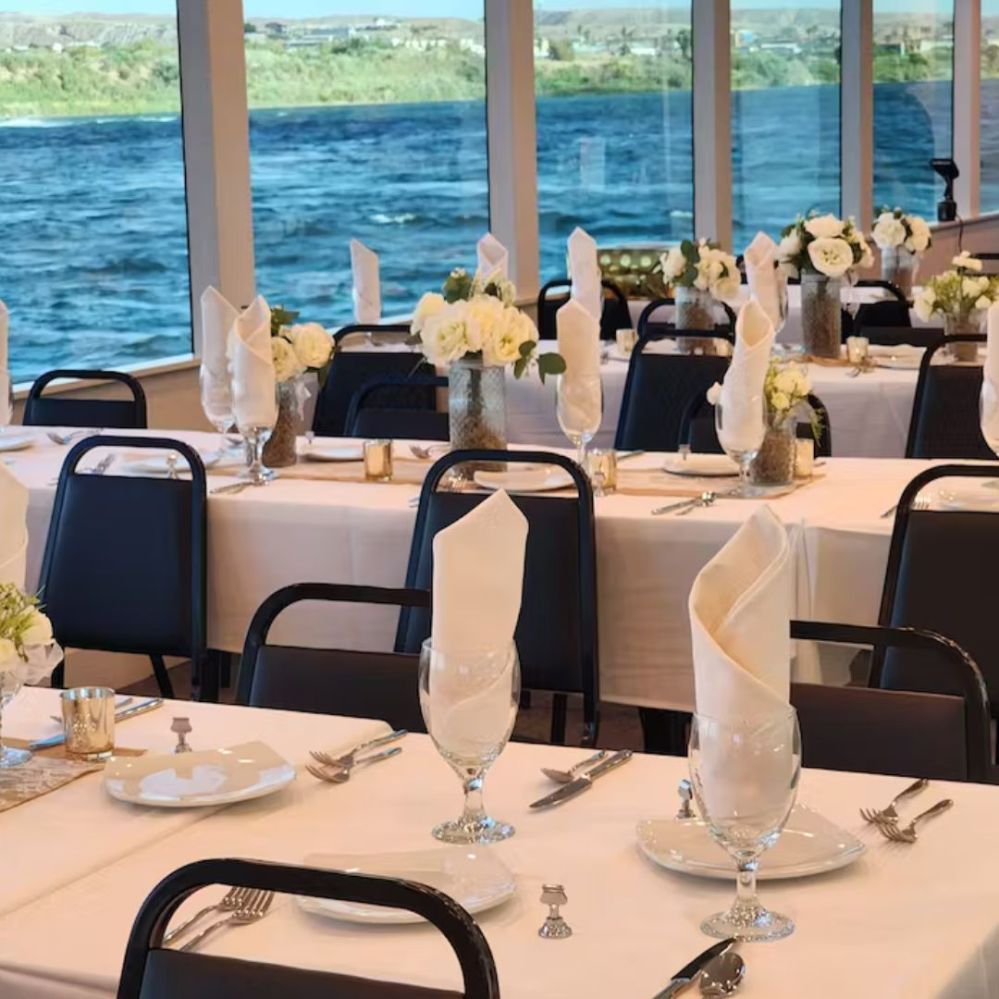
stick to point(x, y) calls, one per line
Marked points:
point(902, 921)
point(305, 530)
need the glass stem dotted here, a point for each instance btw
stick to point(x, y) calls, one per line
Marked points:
point(744, 466)
point(581, 453)
point(474, 811)
point(745, 892)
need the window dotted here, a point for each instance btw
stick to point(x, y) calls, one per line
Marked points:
point(989, 134)
point(94, 260)
point(615, 151)
point(785, 114)
point(367, 126)
point(913, 101)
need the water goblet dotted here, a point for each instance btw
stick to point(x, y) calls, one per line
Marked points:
point(216, 402)
point(469, 701)
point(11, 681)
point(580, 408)
point(741, 427)
point(255, 435)
point(745, 777)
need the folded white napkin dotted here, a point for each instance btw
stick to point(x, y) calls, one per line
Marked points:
point(367, 285)
point(584, 269)
point(766, 283)
point(493, 258)
point(253, 383)
point(990, 378)
point(217, 318)
point(742, 390)
point(579, 344)
point(740, 612)
point(13, 527)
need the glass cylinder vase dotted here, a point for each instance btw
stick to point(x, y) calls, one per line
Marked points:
point(774, 464)
point(961, 326)
point(694, 310)
point(281, 449)
point(476, 407)
point(898, 265)
point(821, 315)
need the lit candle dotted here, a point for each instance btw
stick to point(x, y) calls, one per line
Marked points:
point(602, 466)
point(378, 461)
point(804, 457)
point(857, 349)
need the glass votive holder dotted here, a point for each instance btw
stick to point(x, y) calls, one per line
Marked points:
point(857, 349)
point(626, 340)
point(804, 457)
point(378, 461)
point(601, 465)
point(88, 722)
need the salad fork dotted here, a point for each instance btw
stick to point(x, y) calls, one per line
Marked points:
point(890, 814)
point(340, 773)
point(252, 910)
point(233, 899)
point(346, 759)
point(907, 834)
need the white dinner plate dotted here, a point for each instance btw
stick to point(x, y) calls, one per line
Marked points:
point(320, 453)
point(16, 441)
point(196, 780)
point(901, 358)
point(809, 844)
point(153, 463)
point(475, 878)
point(701, 466)
point(984, 498)
point(526, 479)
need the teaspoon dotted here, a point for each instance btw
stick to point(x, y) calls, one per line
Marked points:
point(566, 776)
point(723, 975)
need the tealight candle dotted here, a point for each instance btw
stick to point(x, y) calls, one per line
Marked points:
point(857, 349)
point(602, 468)
point(378, 461)
point(626, 340)
point(804, 457)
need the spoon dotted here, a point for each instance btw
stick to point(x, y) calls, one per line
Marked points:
point(705, 499)
point(427, 453)
point(567, 776)
point(723, 975)
point(701, 500)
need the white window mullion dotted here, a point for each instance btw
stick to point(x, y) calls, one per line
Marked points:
point(857, 111)
point(967, 104)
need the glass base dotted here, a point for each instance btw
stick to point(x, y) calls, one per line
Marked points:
point(13, 757)
point(756, 925)
point(747, 490)
point(262, 474)
point(485, 830)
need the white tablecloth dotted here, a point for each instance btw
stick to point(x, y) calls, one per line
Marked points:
point(908, 922)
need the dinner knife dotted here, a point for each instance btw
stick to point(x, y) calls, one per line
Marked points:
point(583, 783)
point(130, 712)
point(690, 971)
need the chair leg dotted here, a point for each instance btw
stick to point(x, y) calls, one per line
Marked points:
point(207, 671)
point(162, 676)
point(665, 732)
point(560, 704)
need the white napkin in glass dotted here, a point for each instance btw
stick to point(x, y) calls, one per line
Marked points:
point(13, 528)
point(584, 269)
point(765, 281)
point(740, 612)
point(367, 285)
point(253, 383)
point(990, 378)
point(493, 260)
point(579, 344)
point(217, 318)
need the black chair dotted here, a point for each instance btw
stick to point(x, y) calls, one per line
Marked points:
point(152, 971)
point(657, 391)
point(894, 336)
point(553, 295)
point(326, 681)
point(892, 310)
point(367, 419)
point(557, 632)
point(939, 577)
point(945, 420)
point(648, 324)
point(63, 411)
point(124, 563)
point(891, 729)
point(350, 370)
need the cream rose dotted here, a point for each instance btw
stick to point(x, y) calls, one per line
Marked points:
point(789, 246)
point(38, 631)
point(8, 654)
point(450, 334)
point(312, 344)
point(983, 303)
point(674, 263)
point(919, 234)
point(832, 257)
point(889, 231)
point(925, 303)
point(824, 227)
point(429, 305)
point(967, 261)
point(286, 362)
point(780, 401)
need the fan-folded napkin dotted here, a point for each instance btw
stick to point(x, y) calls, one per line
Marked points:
point(579, 344)
point(367, 284)
point(765, 281)
point(217, 318)
point(13, 527)
point(493, 259)
point(253, 383)
point(584, 270)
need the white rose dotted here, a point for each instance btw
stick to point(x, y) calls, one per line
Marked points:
point(780, 401)
point(713, 394)
point(969, 287)
point(824, 227)
point(312, 344)
point(450, 333)
point(866, 255)
point(286, 362)
point(832, 257)
point(983, 303)
point(727, 288)
point(789, 246)
point(674, 263)
point(512, 330)
point(925, 303)
point(8, 654)
point(39, 630)
point(889, 231)
point(967, 261)
point(429, 305)
point(919, 238)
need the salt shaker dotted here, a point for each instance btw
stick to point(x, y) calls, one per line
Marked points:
point(182, 727)
point(555, 927)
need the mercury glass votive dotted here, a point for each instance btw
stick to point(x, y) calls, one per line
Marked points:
point(88, 722)
point(804, 457)
point(378, 461)
point(857, 349)
point(601, 464)
point(626, 340)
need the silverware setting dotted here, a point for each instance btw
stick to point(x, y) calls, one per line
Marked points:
point(237, 487)
point(58, 438)
point(254, 908)
point(431, 453)
point(234, 898)
point(907, 834)
point(99, 469)
point(346, 759)
point(917, 504)
point(720, 979)
point(584, 782)
point(890, 813)
point(565, 776)
point(340, 773)
point(706, 498)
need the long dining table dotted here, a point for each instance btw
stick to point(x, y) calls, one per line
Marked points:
point(901, 921)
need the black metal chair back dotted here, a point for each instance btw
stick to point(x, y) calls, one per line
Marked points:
point(328, 681)
point(895, 336)
point(657, 391)
point(554, 294)
point(648, 323)
point(945, 420)
point(365, 418)
point(124, 563)
point(557, 632)
point(152, 971)
point(64, 411)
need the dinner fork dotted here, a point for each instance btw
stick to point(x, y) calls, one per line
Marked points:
point(58, 438)
point(233, 899)
point(907, 834)
point(920, 503)
point(346, 759)
point(340, 773)
point(889, 814)
point(255, 908)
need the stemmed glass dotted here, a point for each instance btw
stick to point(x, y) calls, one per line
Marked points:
point(745, 777)
point(216, 402)
point(741, 429)
point(580, 409)
point(255, 436)
point(469, 701)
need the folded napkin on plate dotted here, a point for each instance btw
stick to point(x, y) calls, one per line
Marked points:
point(217, 318)
point(766, 283)
point(740, 612)
point(990, 378)
point(253, 383)
point(367, 285)
point(584, 269)
point(13, 528)
point(579, 344)
point(741, 392)
point(493, 259)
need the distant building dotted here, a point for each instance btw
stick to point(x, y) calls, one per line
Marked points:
point(781, 48)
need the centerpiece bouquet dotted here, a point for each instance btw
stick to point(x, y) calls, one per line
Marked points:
point(700, 274)
point(786, 389)
point(902, 239)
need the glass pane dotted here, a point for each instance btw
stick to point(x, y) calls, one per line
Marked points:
point(365, 125)
point(785, 113)
point(93, 265)
point(913, 99)
point(615, 150)
point(990, 106)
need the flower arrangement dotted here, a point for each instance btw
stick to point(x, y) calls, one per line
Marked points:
point(894, 229)
point(703, 265)
point(477, 319)
point(27, 647)
point(962, 293)
point(298, 348)
point(786, 388)
point(824, 245)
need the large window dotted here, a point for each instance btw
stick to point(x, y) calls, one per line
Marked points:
point(93, 263)
point(990, 106)
point(367, 126)
point(614, 123)
point(785, 114)
point(913, 100)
